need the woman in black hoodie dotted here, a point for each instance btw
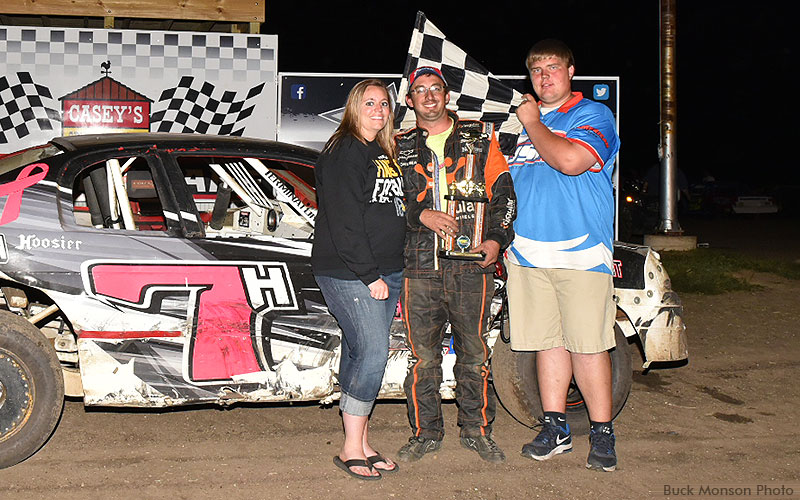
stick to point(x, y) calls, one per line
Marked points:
point(358, 259)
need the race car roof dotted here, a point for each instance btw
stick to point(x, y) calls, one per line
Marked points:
point(187, 142)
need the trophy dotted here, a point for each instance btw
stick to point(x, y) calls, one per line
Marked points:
point(466, 202)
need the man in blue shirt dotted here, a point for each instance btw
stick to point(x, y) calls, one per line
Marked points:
point(560, 286)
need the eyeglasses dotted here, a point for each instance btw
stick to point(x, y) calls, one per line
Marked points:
point(435, 89)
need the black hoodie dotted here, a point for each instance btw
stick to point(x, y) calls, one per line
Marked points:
point(360, 227)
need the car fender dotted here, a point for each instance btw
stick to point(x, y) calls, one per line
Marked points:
point(648, 307)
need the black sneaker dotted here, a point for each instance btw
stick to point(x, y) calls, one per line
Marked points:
point(552, 440)
point(602, 455)
point(416, 448)
point(486, 448)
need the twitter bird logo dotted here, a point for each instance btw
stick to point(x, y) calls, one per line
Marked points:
point(600, 92)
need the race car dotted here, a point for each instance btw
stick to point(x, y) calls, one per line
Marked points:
point(156, 270)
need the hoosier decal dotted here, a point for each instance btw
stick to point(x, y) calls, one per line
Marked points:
point(32, 241)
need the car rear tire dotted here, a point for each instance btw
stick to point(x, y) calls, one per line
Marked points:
point(517, 387)
point(31, 389)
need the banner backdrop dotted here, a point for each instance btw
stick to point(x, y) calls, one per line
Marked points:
point(66, 81)
point(311, 104)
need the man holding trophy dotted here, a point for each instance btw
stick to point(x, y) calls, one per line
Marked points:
point(460, 209)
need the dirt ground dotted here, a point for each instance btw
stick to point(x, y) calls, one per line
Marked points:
point(724, 420)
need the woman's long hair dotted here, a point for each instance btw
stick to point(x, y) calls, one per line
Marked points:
point(350, 120)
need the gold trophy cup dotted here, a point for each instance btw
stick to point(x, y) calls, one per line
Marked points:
point(466, 202)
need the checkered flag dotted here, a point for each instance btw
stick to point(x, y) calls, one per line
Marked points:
point(195, 106)
point(25, 107)
point(474, 92)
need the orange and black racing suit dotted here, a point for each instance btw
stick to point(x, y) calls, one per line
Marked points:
point(438, 290)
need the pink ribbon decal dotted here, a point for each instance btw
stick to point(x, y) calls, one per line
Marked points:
point(15, 188)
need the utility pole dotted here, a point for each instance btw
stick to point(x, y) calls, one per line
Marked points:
point(667, 150)
point(670, 235)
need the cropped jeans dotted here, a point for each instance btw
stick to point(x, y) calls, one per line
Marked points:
point(365, 324)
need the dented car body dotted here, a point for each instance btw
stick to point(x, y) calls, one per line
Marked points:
point(168, 269)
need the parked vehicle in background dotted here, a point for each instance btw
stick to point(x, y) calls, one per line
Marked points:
point(715, 198)
point(755, 205)
point(156, 270)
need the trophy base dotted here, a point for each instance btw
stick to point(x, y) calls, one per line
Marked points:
point(453, 254)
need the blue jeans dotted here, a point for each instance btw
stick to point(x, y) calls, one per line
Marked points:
point(365, 326)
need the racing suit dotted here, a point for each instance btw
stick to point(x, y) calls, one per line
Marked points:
point(438, 290)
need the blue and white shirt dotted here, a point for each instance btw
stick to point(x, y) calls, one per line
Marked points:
point(566, 221)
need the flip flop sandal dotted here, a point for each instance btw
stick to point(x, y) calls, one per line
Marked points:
point(374, 459)
point(355, 462)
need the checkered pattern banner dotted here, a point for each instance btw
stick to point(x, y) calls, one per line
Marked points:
point(137, 55)
point(198, 106)
point(57, 81)
point(25, 107)
point(474, 92)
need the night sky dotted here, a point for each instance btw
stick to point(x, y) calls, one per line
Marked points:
point(733, 64)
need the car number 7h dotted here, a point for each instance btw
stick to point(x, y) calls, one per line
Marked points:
point(223, 302)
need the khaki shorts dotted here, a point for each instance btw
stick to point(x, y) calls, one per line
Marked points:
point(560, 307)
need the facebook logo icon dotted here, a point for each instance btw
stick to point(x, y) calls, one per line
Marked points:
point(298, 91)
point(601, 92)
